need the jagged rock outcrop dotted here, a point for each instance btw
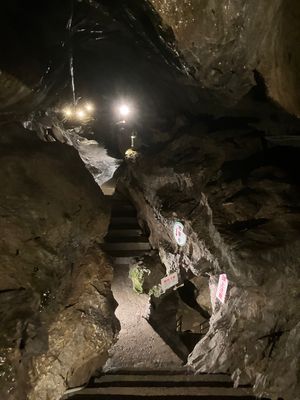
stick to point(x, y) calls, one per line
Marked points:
point(238, 201)
point(57, 310)
point(225, 41)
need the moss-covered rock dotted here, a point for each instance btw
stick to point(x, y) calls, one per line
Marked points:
point(146, 275)
point(137, 275)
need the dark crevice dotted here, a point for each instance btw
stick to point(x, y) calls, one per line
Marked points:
point(240, 226)
point(188, 293)
point(12, 290)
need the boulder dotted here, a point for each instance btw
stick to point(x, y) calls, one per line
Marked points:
point(57, 311)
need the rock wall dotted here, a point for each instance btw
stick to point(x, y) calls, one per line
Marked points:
point(56, 308)
point(238, 200)
point(225, 41)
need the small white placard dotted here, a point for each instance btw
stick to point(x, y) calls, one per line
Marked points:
point(222, 288)
point(213, 284)
point(168, 281)
point(178, 233)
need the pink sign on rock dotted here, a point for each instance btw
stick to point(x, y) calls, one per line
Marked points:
point(222, 288)
point(169, 281)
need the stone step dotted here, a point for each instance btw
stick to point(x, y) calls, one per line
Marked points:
point(121, 261)
point(125, 256)
point(122, 227)
point(125, 239)
point(120, 246)
point(119, 221)
point(126, 253)
point(119, 197)
point(123, 211)
point(161, 377)
point(124, 232)
point(161, 385)
point(120, 202)
point(152, 391)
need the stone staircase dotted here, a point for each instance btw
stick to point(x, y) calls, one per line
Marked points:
point(125, 238)
point(162, 385)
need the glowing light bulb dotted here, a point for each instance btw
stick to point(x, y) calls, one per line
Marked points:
point(80, 114)
point(124, 110)
point(68, 111)
point(89, 107)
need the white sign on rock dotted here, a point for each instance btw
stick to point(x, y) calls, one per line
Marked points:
point(213, 284)
point(178, 233)
point(168, 281)
point(222, 288)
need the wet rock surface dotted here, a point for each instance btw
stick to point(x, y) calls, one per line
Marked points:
point(57, 310)
point(238, 200)
point(225, 41)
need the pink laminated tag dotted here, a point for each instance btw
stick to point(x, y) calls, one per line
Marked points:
point(169, 281)
point(222, 288)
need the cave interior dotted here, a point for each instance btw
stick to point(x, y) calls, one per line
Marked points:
point(149, 203)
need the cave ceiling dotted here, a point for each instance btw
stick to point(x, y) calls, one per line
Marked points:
point(215, 61)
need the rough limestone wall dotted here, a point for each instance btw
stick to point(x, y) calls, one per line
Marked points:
point(224, 41)
point(56, 309)
point(238, 202)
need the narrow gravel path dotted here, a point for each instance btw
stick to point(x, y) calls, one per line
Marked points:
point(138, 346)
